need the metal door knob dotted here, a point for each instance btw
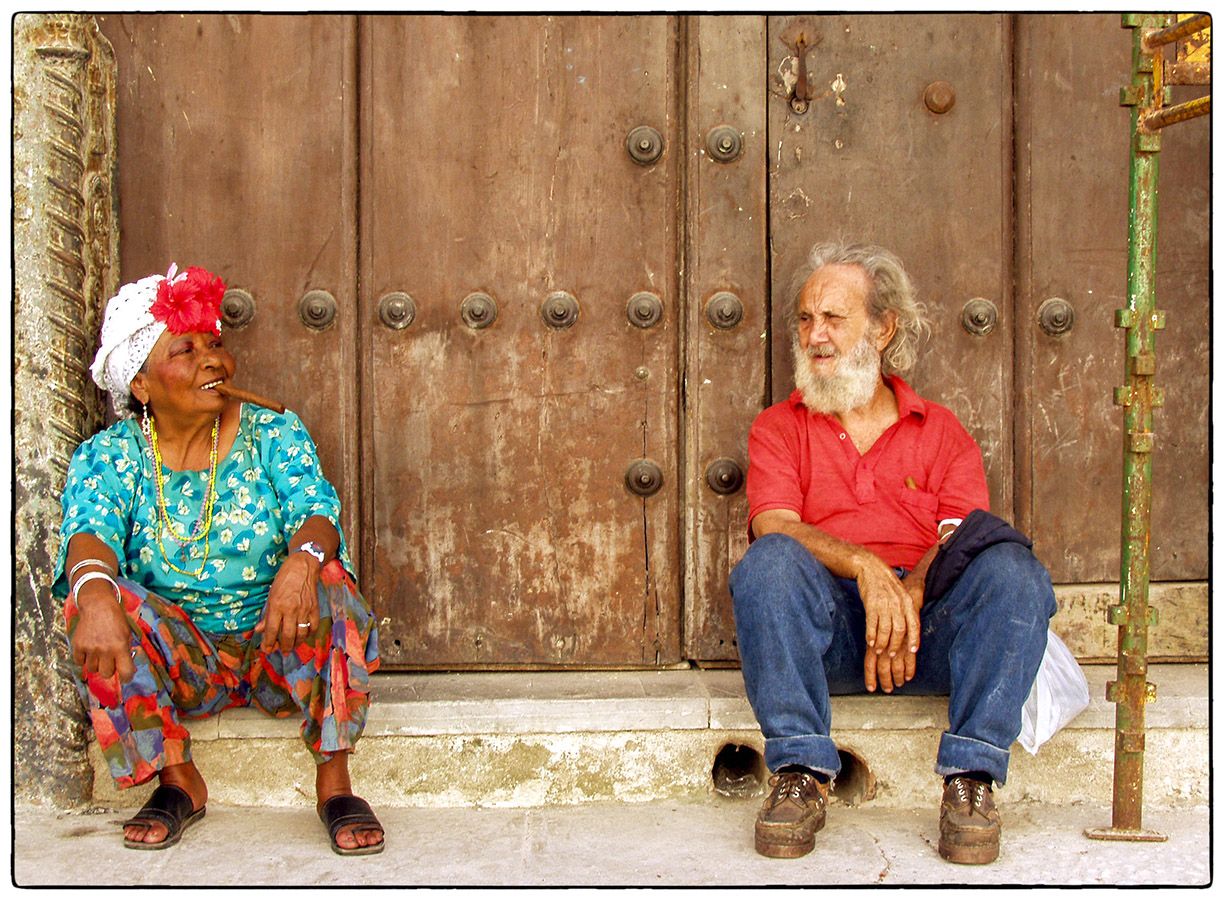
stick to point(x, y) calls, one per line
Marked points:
point(724, 476)
point(1056, 316)
point(397, 310)
point(478, 310)
point(317, 310)
point(559, 310)
point(644, 144)
point(644, 309)
point(724, 144)
point(644, 478)
point(979, 316)
point(237, 308)
point(724, 310)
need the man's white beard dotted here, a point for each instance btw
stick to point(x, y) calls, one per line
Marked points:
point(851, 384)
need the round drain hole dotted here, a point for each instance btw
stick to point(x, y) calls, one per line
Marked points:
point(855, 783)
point(739, 771)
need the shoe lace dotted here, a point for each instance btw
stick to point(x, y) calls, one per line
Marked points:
point(789, 785)
point(964, 793)
point(961, 793)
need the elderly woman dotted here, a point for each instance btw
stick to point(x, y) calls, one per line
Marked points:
point(204, 567)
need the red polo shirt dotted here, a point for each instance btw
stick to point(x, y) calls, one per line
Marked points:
point(806, 462)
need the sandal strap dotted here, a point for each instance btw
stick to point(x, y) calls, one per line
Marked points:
point(168, 805)
point(345, 810)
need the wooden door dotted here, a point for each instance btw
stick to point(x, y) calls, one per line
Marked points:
point(913, 139)
point(494, 169)
point(1072, 247)
point(220, 167)
point(483, 469)
point(727, 355)
point(868, 160)
point(871, 161)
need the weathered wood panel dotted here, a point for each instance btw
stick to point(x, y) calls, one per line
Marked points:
point(237, 152)
point(499, 529)
point(1072, 223)
point(870, 161)
point(726, 367)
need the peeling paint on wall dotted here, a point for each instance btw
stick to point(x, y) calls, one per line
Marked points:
point(64, 249)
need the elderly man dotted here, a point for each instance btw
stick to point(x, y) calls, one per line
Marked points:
point(853, 483)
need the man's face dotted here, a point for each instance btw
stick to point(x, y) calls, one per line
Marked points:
point(833, 315)
point(837, 346)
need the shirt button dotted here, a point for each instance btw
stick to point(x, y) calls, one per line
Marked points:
point(842, 436)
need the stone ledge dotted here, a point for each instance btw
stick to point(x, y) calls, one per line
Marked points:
point(506, 703)
point(1180, 631)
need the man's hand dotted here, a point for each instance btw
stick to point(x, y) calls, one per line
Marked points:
point(888, 672)
point(893, 629)
point(292, 609)
point(891, 607)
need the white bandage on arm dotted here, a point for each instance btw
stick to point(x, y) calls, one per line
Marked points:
point(951, 525)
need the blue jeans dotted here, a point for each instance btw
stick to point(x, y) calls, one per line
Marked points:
point(801, 638)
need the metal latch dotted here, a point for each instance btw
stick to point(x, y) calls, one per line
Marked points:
point(800, 36)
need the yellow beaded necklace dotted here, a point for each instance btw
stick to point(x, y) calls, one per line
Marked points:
point(203, 528)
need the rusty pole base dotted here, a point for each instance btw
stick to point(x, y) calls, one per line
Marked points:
point(1124, 834)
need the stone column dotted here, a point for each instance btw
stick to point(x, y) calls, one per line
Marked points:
point(65, 254)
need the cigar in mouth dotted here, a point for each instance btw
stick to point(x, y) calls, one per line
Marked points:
point(228, 390)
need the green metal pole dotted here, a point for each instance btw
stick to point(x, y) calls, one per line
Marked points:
point(1131, 692)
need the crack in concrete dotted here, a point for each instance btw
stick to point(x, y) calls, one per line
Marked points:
point(883, 875)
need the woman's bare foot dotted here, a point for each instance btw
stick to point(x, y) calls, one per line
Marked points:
point(185, 776)
point(332, 780)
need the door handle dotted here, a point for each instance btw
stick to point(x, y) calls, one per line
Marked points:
point(801, 37)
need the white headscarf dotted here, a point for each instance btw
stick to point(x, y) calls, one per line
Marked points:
point(129, 332)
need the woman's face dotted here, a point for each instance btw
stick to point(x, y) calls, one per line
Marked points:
point(177, 375)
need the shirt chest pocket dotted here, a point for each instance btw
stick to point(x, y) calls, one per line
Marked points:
point(919, 504)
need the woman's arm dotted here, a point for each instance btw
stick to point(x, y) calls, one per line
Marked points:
point(102, 640)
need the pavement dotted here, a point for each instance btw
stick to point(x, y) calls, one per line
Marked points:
point(657, 843)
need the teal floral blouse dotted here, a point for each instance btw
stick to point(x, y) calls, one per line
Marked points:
point(268, 485)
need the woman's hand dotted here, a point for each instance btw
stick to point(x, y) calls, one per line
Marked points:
point(102, 640)
point(292, 609)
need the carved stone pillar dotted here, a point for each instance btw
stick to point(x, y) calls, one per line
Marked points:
point(66, 255)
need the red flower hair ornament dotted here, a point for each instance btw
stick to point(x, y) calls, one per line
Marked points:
point(189, 301)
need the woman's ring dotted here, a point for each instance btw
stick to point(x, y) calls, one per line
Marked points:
point(303, 624)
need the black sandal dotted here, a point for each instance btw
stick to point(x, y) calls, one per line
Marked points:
point(344, 811)
point(169, 806)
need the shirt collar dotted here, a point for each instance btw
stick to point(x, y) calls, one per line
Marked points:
point(908, 401)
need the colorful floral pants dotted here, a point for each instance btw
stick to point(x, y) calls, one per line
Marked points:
point(181, 672)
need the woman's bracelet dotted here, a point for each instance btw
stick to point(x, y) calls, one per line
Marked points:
point(90, 576)
point(89, 562)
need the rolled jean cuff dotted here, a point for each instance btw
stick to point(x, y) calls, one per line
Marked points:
point(964, 754)
point(816, 751)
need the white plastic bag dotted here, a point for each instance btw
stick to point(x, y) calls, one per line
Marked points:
point(1058, 695)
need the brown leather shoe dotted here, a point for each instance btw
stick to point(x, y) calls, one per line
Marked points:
point(791, 815)
point(968, 823)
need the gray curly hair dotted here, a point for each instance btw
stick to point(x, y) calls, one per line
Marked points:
point(891, 289)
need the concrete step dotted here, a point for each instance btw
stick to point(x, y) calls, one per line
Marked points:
point(526, 739)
